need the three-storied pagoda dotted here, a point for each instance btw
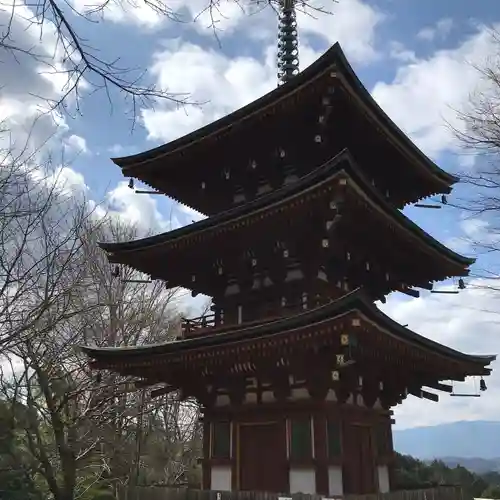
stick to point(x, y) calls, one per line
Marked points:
point(296, 369)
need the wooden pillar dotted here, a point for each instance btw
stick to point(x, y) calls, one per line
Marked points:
point(206, 456)
point(234, 454)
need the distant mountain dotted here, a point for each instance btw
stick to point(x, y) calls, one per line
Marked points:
point(474, 441)
point(477, 465)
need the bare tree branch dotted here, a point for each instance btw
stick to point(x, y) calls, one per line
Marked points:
point(480, 138)
point(82, 64)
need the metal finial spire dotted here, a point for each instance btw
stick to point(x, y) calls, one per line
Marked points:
point(288, 45)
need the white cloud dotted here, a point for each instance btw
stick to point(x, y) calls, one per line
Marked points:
point(32, 79)
point(399, 52)
point(135, 12)
point(474, 233)
point(475, 228)
point(468, 322)
point(77, 143)
point(478, 236)
point(440, 30)
point(220, 83)
point(67, 182)
point(140, 210)
point(426, 93)
point(222, 18)
point(353, 23)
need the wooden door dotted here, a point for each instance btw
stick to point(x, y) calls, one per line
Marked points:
point(262, 457)
point(359, 468)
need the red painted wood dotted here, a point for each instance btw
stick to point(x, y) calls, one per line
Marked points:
point(262, 457)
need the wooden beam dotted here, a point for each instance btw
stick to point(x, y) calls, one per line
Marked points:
point(426, 286)
point(426, 205)
point(424, 395)
point(440, 387)
point(410, 291)
point(162, 391)
point(147, 191)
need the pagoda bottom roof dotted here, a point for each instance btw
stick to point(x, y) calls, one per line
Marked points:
point(354, 313)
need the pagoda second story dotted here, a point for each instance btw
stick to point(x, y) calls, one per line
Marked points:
point(294, 248)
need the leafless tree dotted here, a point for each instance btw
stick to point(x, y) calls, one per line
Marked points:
point(479, 134)
point(130, 314)
point(42, 259)
point(78, 426)
point(39, 249)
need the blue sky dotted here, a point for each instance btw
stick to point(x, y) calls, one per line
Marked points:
point(415, 58)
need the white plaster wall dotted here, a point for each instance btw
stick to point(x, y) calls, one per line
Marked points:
point(335, 480)
point(383, 478)
point(299, 393)
point(220, 478)
point(222, 400)
point(303, 481)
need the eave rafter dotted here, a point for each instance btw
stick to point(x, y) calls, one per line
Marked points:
point(293, 207)
point(374, 342)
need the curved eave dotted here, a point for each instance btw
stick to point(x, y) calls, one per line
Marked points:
point(332, 58)
point(251, 207)
point(355, 301)
point(303, 79)
point(343, 162)
point(361, 91)
point(374, 197)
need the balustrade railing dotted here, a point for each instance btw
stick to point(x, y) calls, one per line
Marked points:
point(196, 326)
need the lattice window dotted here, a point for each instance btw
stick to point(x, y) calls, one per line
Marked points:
point(221, 440)
point(334, 438)
point(300, 439)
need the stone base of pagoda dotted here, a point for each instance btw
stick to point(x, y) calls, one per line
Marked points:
point(298, 447)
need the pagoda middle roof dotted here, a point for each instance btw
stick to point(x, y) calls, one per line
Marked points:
point(333, 60)
point(341, 165)
point(355, 301)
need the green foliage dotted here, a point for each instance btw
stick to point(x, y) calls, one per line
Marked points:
point(103, 491)
point(411, 473)
point(492, 491)
point(16, 482)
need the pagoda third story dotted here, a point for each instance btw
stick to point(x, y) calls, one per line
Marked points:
point(295, 368)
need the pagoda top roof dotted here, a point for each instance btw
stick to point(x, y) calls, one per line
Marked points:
point(341, 164)
point(355, 301)
point(332, 60)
